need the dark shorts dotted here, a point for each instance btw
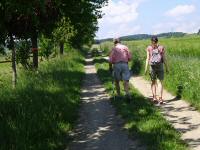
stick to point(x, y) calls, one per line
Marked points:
point(157, 72)
point(121, 71)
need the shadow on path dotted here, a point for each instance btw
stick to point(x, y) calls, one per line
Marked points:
point(98, 127)
point(180, 114)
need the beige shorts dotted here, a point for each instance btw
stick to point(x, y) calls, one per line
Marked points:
point(121, 71)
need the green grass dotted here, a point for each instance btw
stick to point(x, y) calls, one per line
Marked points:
point(142, 119)
point(183, 55)
point(40, 112)
point(5, 75)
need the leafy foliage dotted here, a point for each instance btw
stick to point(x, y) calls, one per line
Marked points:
point(24, 18)
point(2, 49)
point(64, 31)
point(23, 49)
point(46, 47)
point(71, 21)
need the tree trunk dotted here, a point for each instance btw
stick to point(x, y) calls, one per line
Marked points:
point(35, 50)
point(61, 48)
point(14, 68)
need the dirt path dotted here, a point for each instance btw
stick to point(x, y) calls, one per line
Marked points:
point(99, 128)
point(179, 113)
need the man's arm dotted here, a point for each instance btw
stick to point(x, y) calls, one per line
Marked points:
point(110, 60)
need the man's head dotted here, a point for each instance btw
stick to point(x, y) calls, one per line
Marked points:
point(154, 40)
point(116, 40)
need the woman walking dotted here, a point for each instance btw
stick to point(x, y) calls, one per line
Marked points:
point(156, 59)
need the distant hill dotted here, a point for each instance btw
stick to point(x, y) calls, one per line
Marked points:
point(144, 36)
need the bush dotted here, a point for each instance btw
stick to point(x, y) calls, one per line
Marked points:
point(23, 51)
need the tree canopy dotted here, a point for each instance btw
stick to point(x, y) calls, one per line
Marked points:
point(23, 18)
point(76, 19)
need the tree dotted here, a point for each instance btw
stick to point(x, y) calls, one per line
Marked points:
point(30, 19)
point(83, 16)
point(25, 19)
point(63, 33)
point(14, 68)
point(23, 53)
point(2, 25)
point(46, 47)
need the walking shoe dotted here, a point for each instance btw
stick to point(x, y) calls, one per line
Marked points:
point(154, 100)
point(160, 103)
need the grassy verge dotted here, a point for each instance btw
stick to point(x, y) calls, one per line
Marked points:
point(5, 75)
point(143, 120)
point(40, 112)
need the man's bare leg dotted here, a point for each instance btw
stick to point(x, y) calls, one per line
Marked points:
point(117, 87)
point(126, 87)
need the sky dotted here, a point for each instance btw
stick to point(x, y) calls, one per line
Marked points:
point(127, 17)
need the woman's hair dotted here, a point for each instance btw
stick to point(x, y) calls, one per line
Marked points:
point(154, 38)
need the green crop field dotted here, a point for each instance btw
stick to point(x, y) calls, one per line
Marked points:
point(183, 55)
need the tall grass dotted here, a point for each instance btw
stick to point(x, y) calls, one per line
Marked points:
point(106, 47)
point(40, 112)
point(5, 75)
point(183, 55)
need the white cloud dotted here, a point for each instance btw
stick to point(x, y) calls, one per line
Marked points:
point(122, 18)
point(191, 27)
point(179, 22)
point(179, 26)
point(164, 27)
point(120, 12)
point(119, 18)
point(123, 30)
point(181, 10)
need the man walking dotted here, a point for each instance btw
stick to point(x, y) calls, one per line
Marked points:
point(118, 63)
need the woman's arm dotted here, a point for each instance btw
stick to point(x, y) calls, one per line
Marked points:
point(147, 62)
